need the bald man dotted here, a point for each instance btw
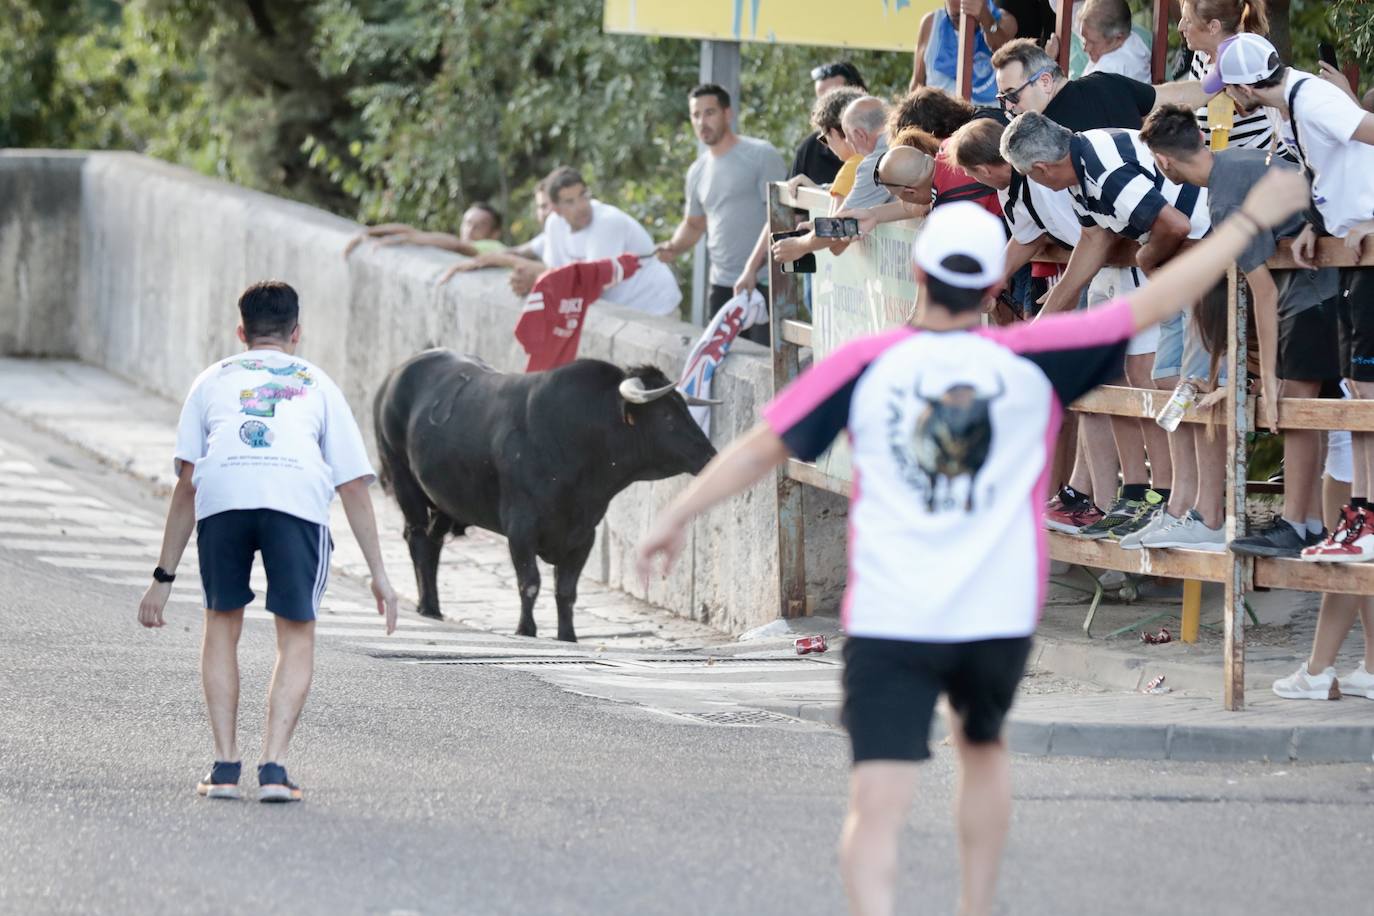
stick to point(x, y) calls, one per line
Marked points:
point(865, 127)
point(906, 172)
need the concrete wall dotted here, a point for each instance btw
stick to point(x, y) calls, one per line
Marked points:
point(40, 251)
point(163, 254)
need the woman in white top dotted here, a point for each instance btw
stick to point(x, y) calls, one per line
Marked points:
point(1205, 26)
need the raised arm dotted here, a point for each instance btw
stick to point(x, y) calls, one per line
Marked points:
point(1278, 195)
point(1184, 92)
point(1086, 259)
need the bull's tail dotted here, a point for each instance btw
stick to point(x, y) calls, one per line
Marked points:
point(379, 432)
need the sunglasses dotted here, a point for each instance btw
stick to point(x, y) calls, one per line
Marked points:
point(824, 140)
point(1013, 96)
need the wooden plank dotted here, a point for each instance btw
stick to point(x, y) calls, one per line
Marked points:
point(804, 198)
point(812, 476)
point(1121, 401)
point(1326, 413)
point(1159, 50)
point(797, 333)
point(1121, 254)
point(1345, 578)
point(1064, 31)
point(968, 34)
point(1330, 253)
point(785, 297)
point(1237, 458)
point(1172, 564)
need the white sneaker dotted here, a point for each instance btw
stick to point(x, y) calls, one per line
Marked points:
point(1187, 533)
point(1301, 685)
point(1132, 541)
point(1358, 683)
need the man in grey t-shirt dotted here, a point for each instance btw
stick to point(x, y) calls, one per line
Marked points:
point(726, 197)
point(1295, 316)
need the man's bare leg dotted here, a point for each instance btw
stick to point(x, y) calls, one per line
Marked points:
point(1138, 369)
point(1301, 452)
point(1209, 445)
point(290, 685)
point(219, 677)
point(880, 793)
point(1099, 448)
point(982, 811)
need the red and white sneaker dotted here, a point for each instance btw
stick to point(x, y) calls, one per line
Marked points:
point(1071, 519)
point(1351, 542)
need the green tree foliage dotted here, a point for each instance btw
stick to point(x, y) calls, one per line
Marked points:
point(412, 109)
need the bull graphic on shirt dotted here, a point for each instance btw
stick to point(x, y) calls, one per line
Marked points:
point(262, 400)
point(953, 436)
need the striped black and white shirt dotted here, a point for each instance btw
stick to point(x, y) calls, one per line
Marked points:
point(1253, 131)
point(1122, 190)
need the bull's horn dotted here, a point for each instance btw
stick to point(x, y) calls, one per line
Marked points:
point(694, 401)
point(633, 390)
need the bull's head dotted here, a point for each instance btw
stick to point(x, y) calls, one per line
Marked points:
point(664, 433)
point(954, 432)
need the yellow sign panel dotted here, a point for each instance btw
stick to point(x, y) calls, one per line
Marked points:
point(885, 25)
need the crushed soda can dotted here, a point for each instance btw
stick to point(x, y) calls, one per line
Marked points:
point(1156, 685)
point(806, 645)
point(1162, 636)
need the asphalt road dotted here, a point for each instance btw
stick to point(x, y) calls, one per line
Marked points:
point(478, 789)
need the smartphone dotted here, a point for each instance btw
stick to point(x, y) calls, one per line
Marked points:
point(1325, 52)
point(830, 227)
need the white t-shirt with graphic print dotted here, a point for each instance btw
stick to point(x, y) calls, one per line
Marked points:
point(268, 430)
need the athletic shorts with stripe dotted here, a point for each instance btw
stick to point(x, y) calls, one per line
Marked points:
point(295, 557)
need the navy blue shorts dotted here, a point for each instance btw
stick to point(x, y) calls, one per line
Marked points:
point(295, 556)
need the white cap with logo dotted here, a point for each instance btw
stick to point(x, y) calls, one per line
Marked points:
point(1247, 59)
point(962, 228)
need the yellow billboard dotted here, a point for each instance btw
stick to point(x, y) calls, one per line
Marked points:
point(884, 25)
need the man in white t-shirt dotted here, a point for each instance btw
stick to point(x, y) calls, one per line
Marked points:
point(1111, 46)
point(582, 228)
point(264, 442)
point(1333, 139)
point(950, 425)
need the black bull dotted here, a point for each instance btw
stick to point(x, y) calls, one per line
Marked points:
point(535, 457)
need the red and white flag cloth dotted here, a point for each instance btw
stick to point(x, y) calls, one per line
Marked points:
point(550, 326)
point(743, 311)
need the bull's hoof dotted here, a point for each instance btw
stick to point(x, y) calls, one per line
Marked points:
point(523, 630)
point(431, 614)
point(569, 636)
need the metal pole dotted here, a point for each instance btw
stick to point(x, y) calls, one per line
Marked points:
point(968, 32)
point(1159, 50)
point(1237, 426)
point(1064, 29)
point(720, 64)
point(785, 297)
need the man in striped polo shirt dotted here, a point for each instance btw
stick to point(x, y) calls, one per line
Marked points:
point(1118, 191)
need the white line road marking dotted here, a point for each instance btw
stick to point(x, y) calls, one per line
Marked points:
point(11, 495)
point(138, 535)
point(96, 548)
point(105, 518)
point(17, 467)
point(50, 484)
point(82, 563)
point(191, 585)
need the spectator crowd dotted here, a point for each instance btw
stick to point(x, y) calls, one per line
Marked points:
point(1121, 175)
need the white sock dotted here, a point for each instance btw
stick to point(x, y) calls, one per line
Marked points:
point(1314, 526)
point(1299, 527)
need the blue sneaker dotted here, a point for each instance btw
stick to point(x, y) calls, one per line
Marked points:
point(273, 786)
point(222, 781)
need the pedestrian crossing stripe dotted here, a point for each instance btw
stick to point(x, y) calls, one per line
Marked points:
point(104, 517)
point(11, 496)
point(75, 546)
point(143, 536)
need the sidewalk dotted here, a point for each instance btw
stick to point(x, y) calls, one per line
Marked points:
point(1082, 696)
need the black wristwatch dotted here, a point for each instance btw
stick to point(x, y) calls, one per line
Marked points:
point(162, 575)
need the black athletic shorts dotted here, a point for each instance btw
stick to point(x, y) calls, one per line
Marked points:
point(891, 686)
point(1310, 344)
point(1357, 323)
point(295, 556)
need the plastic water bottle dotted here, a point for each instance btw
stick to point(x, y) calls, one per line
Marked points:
point(1184, 397)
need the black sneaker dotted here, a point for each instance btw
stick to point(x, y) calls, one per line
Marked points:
point(273, 786)
point(222, 781)
point(1315, 538)
point(1280, 539)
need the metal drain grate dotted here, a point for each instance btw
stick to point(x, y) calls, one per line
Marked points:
point(744, 717)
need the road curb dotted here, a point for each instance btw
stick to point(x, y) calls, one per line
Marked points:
point(1131, 741)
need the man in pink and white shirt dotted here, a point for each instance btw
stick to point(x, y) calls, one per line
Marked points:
point(951, 426)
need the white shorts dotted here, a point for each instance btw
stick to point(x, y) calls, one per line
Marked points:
point(1113, 283)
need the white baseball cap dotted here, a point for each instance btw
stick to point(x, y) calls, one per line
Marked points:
point(1247, 59)
point(962, 228)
